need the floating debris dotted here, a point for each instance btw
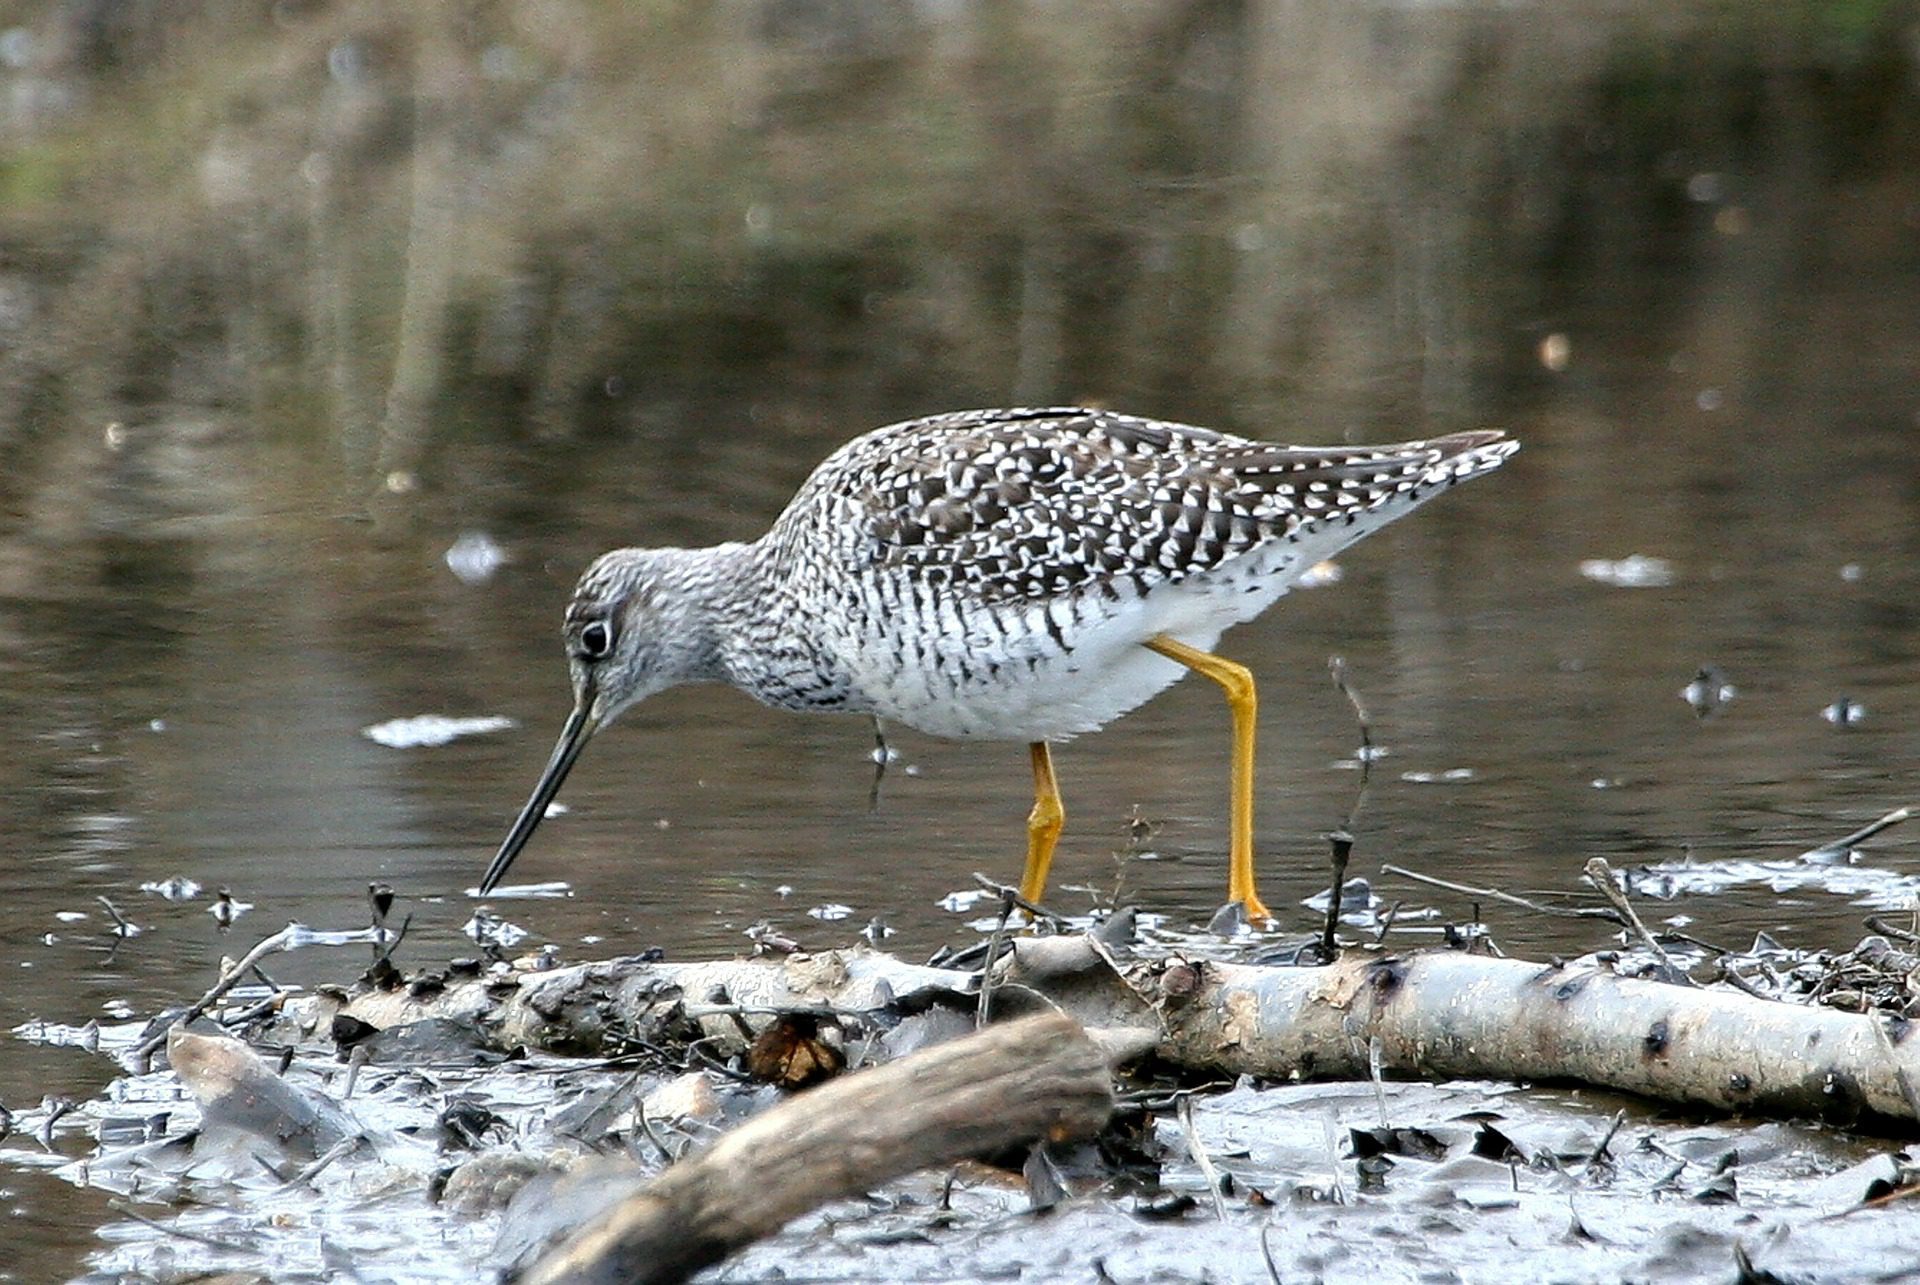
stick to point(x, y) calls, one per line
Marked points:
point(178, 888)
point(474, 557)
point(1359, 904)
point(1450, 776)
point(1636, 571)
point(551, 888)
point(1845, 712)
point(225, 909)
point(830, 911)
point(964, 900)
point(423, 730)
point(1708, 691)
point(490, 930)
point(122, 927)
point(1845, 851)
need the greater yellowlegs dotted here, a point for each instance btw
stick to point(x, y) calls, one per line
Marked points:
point(1010, 575)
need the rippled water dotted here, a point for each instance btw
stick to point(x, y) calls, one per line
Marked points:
point(202, 613)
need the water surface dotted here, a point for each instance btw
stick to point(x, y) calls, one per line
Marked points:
point(245, 421)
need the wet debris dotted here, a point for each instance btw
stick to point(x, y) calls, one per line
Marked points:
point(177, 888)
point(791, 1052)
point(1709, 692)
point(1481, 1175)
point(1360, 905)
point(492, 933)
point(122, 927)
point(432, 730)
point(474, 557)
point(1844, 713)
point(1836, 867)
point(226, 908)
point(1635, 571)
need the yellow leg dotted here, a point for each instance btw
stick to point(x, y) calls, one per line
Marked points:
point(1043, 823)
point(1237, 682)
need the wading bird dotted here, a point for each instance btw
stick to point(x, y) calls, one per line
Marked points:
point(1004, 575)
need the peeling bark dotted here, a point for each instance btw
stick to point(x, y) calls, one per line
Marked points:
point(1445, 1015)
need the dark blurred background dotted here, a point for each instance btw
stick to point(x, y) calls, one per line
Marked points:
point(295, 296)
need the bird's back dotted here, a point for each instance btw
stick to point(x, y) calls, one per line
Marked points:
point(975, 570)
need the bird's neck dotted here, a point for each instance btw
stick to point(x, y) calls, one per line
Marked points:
point(712, 591)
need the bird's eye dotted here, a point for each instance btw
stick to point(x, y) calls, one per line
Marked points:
point(596, 640)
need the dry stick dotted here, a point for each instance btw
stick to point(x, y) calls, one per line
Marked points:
point(1598, 1153)
point(121, 927)
point(1040, 1077)
point(1342, 842)
point(1570, 912)
point(1342, 836)
point(880, 755)
point(983, 1012)
point(1866, 832)
point(1034, 908)
point(1879, 924)
point(1266, 1253)
point(287, 938)
point(1602, 876)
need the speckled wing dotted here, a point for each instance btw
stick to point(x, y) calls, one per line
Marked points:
point(1022, 504)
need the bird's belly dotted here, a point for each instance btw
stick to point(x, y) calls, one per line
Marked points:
point(1026, 679)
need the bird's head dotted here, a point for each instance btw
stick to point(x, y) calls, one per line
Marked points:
point(634, 626)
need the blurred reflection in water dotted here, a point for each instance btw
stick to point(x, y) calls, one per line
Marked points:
point(291, 302)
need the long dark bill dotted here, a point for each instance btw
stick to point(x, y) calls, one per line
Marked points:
point(573, 738)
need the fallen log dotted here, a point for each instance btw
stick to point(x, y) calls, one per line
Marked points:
point(1039, 1077)
point(1447, 1014)
point(1437, 1015)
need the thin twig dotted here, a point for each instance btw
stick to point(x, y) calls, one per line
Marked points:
point(1033, 908)
point(1342, 842)
point(983, 1012)
point(1376, 1057)
point(1200, 1157)
point(288, 938)
point(1865, 832)
point(126, 1209)
point(1569, 912)
point(121, 927)
point(646, 1129)
point(1599, 1153)
point(1879, 924)
point(333, 1153)
point(1337, 668)
point(880, 756)
point(1602, 876)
